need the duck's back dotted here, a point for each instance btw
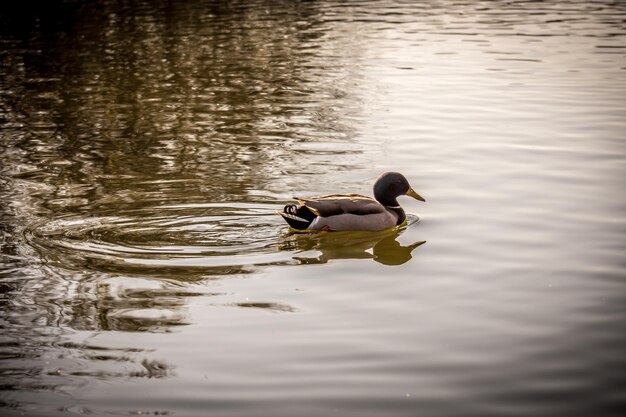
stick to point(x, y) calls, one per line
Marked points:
point(349, 212)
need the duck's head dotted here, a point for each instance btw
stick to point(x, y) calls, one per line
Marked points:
point(390, 186)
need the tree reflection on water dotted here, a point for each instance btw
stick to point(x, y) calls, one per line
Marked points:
point(121, 125)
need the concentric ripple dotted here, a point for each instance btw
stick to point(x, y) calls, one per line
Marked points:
point(196, 235)
point(218, 238)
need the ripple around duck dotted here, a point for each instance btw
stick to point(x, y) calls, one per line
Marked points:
point(210, 239)
point(382, 247)
point(201, 235)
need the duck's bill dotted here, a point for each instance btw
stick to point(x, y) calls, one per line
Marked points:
point(415, 195)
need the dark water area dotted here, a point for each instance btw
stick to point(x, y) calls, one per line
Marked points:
point(145, 147)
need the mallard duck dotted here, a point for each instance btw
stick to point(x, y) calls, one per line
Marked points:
point(352, 212)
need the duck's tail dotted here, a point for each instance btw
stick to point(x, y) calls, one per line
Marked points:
point(298, 217)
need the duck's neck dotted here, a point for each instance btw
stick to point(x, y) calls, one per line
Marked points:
point(392, 205)
point(398, 211)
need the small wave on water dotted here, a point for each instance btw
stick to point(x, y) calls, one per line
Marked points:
point(149, 240)
point(212, 238)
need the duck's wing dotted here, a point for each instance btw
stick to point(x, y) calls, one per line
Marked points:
point(336, 204)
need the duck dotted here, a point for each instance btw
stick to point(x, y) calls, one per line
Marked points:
point(352, 212)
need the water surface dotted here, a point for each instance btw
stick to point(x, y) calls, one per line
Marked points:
point(145, 149)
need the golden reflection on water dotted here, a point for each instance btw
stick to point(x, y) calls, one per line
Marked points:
point(145, 148)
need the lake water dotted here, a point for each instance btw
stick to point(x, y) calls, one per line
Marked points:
point(145, 149)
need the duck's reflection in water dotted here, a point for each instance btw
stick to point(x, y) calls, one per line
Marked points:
point(382, 247)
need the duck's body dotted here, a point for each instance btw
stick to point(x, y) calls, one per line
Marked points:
point(352, 212)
